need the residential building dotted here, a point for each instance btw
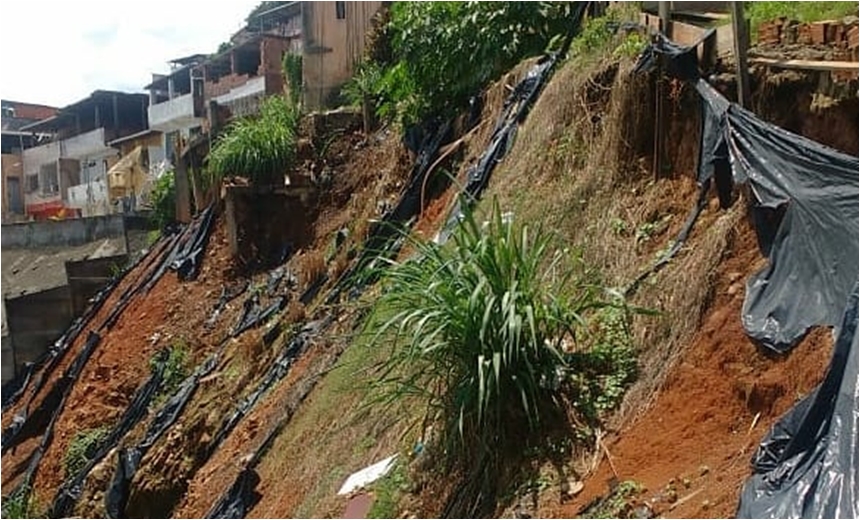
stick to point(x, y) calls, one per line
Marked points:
point(333, 36)
point(67, 175)
point(201, 91)
point(14, 142)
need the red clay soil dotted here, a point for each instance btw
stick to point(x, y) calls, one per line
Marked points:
point(691, 450)
point(120, 364)
point(15, 461)
point(374, 171)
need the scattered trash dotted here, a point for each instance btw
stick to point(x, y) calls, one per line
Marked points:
point(366, 476)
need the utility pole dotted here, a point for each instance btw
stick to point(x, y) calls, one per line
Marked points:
point(665, 17)
point(741, 40)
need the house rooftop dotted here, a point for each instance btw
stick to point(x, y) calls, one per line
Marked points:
point(46, 125)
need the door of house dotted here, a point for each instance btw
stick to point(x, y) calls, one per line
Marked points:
point(13, 188)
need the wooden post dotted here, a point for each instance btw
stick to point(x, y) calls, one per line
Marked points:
point(741, 41)
point(665, 18)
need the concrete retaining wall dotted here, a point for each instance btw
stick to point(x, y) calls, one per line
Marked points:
point(36, 320)
point(87, 277)
point(72, 232)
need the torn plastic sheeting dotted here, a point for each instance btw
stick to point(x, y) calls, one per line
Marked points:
point(276, 372)
point(70, 490)
point(29, 423)
point(515, 109)
point(368, 475)
point(239, 499)
point(806, 466)
point(253, 315)
point(189, 257)
point(128, 458)
point(74, 370)
point(812, 248)
point(813, 252)
point(382, 239)
point(228, 294)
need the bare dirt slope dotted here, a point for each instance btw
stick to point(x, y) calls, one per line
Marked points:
point(691, 450)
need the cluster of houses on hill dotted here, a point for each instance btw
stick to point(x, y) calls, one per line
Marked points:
point(98, 155)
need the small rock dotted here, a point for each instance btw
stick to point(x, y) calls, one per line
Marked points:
point(704, 470)
point(733, 289)
point(706, 504)
point(686, 483)
point(671, 496)
point(643, 511)
point(571, 488)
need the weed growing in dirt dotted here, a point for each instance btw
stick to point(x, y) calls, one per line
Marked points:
point(617, 504)
point(175, 361)
point(759, 12)
point(477, 330)
point(82, 448)
point(387, 492)
point(22, 504)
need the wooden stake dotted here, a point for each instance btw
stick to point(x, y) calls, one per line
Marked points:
point(741, 42)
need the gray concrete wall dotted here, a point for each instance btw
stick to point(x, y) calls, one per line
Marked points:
point(71, 232)
point(87, 277)
point(36, 320)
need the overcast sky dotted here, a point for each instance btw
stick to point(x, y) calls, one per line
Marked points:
point(58, 52)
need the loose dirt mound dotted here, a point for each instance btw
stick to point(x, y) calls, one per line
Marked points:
point(691, 450)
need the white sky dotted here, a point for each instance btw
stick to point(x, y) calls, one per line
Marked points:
point(58, 52)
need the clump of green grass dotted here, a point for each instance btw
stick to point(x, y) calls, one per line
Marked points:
point(260, 148)
point(175, 359)
point(760, 12)
point(476, 330)
point(82, 448)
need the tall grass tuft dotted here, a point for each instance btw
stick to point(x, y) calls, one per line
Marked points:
point(476, 330)
point(259, 148)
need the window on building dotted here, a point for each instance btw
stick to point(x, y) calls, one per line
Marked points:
point(48, 179)
point(32, 183)
point(340, 10)
point(8, 112)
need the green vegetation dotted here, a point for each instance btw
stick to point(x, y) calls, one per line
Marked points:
point(261, 147)
point(617, 504)
point(22, 504)
point(175, 366)
point(759, 12)
point(164, 200)
point(387, 492)
point(82, 448)
point(292, 65)
point(479, 331)
point(444, 52)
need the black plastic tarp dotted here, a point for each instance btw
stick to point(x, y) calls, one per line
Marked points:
point(806, 217)
point(806, 467)
point(812, 250)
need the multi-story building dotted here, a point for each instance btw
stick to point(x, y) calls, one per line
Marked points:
point(329, 36)
point(14, 142)
point(67, 174)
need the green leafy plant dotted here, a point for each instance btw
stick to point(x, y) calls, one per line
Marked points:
point(261, 147)
point(478, 326)
point(292, 65)
point(82, 448)
point(632, 45)
point(387, 493)
point(175, 366)
point(21, 504)
point(444, 52)
point(617, 504)
point(164, 200)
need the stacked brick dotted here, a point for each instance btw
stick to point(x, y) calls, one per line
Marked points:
point(838, 34)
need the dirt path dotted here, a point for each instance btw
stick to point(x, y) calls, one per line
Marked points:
point(691, 450)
